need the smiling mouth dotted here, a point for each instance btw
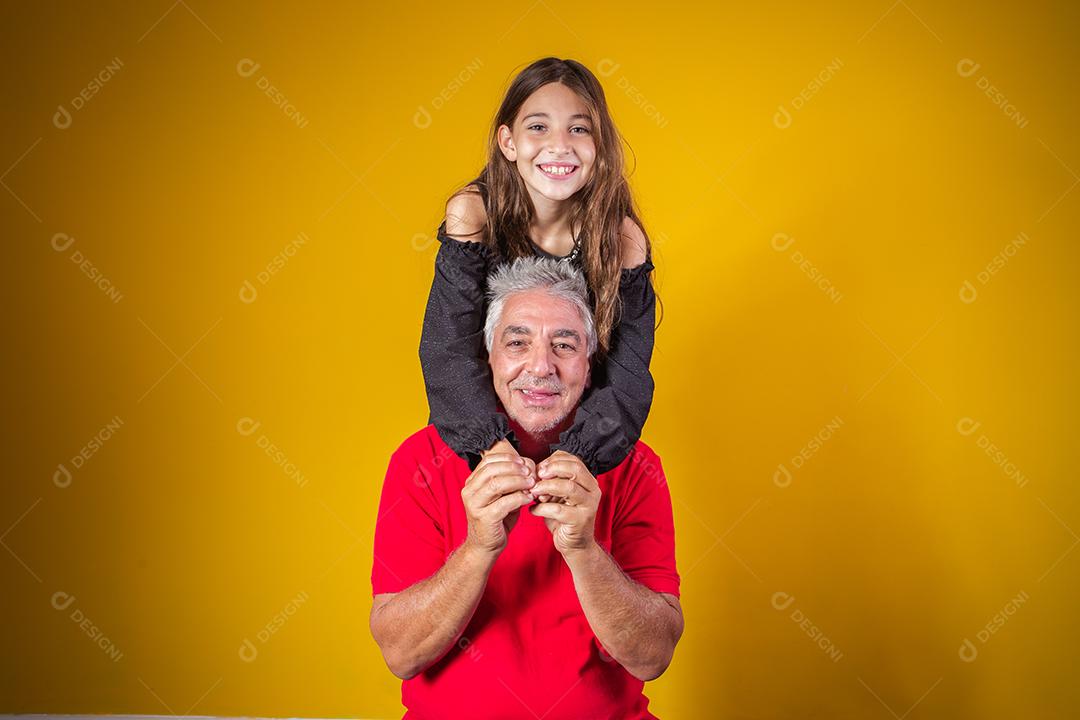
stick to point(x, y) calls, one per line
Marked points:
point(558, 170)
point(536, 397)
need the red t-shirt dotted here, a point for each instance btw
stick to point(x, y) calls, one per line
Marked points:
point(528, 651)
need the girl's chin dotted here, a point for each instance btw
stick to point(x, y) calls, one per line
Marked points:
point(556, 193)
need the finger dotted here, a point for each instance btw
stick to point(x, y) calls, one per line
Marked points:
point(553, 511)
point(563, 488)
point(502, 445)
point(560, 456)
point(499, 485)
point(486, 471)
point(508, 504)
point(500, 457)
point(504, 464)
point(572, 470)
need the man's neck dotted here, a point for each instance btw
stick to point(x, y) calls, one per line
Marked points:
point(537, 446)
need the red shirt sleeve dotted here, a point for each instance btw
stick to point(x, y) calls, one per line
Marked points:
point(643, 531)
point(409, 534)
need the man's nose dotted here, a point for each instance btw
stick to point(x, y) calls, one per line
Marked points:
point(540, 361)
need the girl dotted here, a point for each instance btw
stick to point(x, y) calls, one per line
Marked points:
point(552, 186)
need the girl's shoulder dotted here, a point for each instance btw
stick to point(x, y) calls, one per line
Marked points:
point(634, 246)
point(466, 215)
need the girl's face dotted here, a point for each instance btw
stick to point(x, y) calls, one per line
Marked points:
point(551, 142)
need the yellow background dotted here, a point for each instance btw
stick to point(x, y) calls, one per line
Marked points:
point(898, 180)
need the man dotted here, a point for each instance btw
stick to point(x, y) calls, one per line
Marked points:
point(485, 610)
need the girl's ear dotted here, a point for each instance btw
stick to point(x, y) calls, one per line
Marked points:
point(506, 144)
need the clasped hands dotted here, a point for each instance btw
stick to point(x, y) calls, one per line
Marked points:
point(567, 497)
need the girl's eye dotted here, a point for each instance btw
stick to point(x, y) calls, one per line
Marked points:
point(584, 130)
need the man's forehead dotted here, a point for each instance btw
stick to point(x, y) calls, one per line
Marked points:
point(534, 310)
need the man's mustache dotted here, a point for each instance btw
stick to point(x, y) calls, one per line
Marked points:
point(536, 385)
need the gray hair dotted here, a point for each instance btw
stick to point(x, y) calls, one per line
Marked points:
point(559, 278)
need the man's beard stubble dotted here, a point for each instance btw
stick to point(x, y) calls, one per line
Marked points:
point(554, 387)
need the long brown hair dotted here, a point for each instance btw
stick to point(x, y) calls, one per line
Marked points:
point(598, 208)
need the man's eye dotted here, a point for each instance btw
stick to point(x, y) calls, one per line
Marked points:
point(515, 343)
point(565, 346)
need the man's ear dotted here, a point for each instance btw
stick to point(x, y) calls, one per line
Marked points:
point(506, 144)
point(588, 376)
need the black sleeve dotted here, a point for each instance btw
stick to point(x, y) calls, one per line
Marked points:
point(461, 396)
point(612, 413)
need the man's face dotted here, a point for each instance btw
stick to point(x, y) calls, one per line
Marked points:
point(539, 360)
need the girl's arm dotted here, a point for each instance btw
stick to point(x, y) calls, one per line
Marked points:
point(461, 397)
point(612, 413)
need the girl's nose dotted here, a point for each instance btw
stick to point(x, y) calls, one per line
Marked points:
point(561, 142)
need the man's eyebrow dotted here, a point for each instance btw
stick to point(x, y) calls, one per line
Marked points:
point(516, 330)
point(576, 116)
point(567, 333)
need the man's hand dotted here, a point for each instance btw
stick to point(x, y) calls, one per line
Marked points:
point(502, 446)
point(493, 494)
point(570, 513)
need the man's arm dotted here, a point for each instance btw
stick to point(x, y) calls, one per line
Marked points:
point(417, 626)
point(636, 626)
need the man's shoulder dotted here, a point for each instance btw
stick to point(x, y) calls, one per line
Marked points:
point(424, 460)
point(641, 461)
point(637, 477)
point(424, 444)
point(642, 454)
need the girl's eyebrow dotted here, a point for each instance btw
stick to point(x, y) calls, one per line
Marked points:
point(577, 116)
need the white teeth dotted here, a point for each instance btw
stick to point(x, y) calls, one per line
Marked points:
point(557, 170)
